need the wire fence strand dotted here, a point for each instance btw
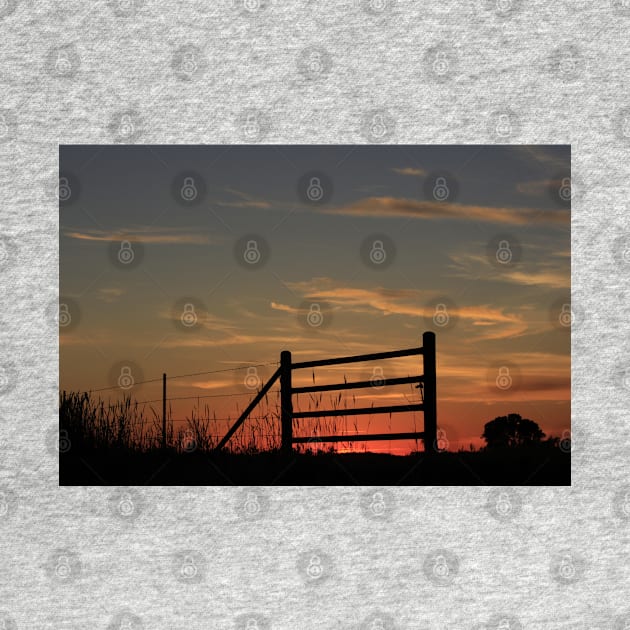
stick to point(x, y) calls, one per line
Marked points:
point(170, 378)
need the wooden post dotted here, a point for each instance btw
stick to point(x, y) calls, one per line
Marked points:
point(286, 402)
point(430, 393)
point(164, 411)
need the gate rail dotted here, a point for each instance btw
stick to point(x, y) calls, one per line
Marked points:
point(427, 381)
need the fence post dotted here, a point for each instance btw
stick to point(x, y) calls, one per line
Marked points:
point(164, 410)
point(286, 402)
point(430, 394)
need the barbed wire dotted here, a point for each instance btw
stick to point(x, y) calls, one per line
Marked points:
point(253, 392)
point(170, 378)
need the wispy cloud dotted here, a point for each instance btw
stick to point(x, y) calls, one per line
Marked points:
point(411, 171)
point(538, 187)
point(230, 339)
point(548, 157)
point(276, 306)
point(551, 270)
point(498, 323)
point(155, 235)
point(545, 278)
point(243, 200)
point(109, 294)
point(433, 210)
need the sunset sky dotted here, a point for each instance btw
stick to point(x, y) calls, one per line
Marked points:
point(438, 256)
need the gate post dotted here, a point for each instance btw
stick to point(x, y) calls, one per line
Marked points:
point(164, 411)
point(430, 394)
point(286, 402)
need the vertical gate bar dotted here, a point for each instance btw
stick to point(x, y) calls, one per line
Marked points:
point(430, 393)
point(164, 410)
point(286, 402)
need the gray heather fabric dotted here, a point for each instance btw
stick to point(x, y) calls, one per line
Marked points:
point(73, 557)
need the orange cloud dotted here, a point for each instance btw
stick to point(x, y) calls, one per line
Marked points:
point(144, 235)
point(245, 200)
point(547, 272)
point(109, 294)
point(539, 186)
point(553, 279)
point(409, 302)
point(413, 172)
point(433, 210)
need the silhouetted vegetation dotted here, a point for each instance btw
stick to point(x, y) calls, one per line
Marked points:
point(511, 431)
point(120, 444)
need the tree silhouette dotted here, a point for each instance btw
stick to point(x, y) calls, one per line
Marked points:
point(511, 431)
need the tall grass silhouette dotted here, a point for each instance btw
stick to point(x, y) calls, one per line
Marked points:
point(127, 425)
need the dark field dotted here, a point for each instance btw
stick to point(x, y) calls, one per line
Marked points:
point(543, 465)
